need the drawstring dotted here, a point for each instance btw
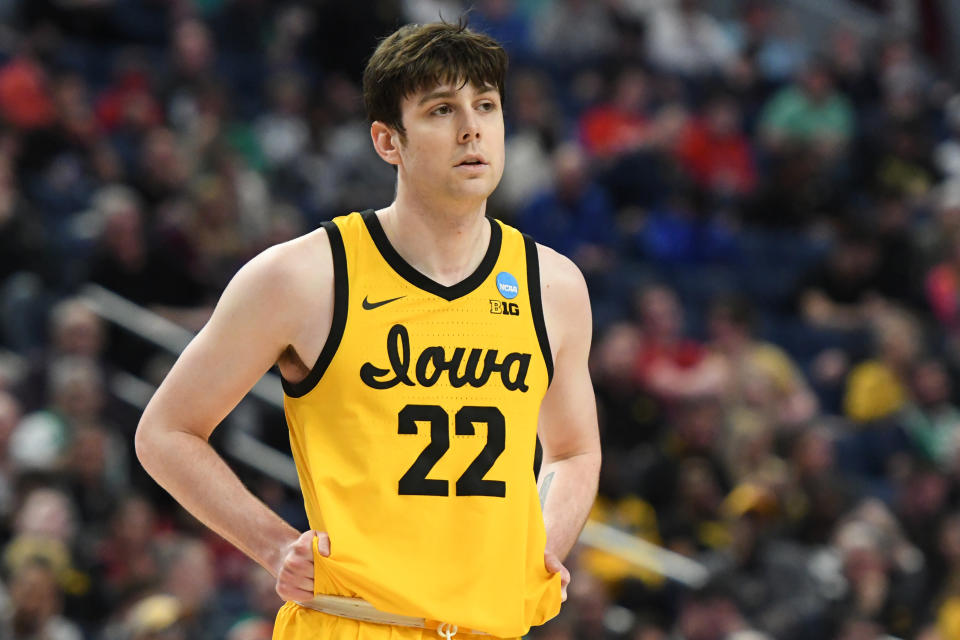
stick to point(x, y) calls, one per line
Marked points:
point(447, 630)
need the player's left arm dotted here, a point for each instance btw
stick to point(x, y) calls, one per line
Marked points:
point(568, 415)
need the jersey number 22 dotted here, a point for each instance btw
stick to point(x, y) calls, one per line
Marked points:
point(471, 483)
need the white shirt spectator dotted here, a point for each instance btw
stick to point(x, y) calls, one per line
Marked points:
point(690, 43)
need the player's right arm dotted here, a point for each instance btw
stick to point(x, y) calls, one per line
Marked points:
point(257, 320)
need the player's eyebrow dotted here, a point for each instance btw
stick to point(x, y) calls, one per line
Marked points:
point(433, 95)
point(449, 93)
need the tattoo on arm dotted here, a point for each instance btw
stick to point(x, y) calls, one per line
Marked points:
point(545, 488)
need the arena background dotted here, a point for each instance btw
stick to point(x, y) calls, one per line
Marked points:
point(764, 197)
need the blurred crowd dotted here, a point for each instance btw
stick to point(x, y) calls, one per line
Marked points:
point(768, 219)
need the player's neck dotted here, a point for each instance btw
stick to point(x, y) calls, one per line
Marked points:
point(444, 246)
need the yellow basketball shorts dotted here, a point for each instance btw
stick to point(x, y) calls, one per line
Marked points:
point(295, 622)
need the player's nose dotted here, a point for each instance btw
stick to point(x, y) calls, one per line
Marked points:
point(470, 129)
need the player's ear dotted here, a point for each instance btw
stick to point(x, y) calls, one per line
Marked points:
point(386, 140)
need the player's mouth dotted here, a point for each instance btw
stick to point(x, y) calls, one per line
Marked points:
point(474, 162)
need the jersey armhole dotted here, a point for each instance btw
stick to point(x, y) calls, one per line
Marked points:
point(338, 322)
point(536, 304)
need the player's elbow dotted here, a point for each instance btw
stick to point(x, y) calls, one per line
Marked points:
point(150, 443)
point(144, 443)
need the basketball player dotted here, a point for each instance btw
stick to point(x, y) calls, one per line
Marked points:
point(422, 347)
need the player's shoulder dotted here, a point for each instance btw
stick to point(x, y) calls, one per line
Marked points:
point(289, 270)
point(559, 276)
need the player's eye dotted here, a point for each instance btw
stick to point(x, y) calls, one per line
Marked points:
point(441, 110)
point(487, 106)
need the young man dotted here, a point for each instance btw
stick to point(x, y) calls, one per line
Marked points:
point(441, 342)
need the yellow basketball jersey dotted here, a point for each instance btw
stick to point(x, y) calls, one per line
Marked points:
point(414, 434)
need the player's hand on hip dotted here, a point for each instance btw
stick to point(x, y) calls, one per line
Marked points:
point(295, 577)
point(554, 565)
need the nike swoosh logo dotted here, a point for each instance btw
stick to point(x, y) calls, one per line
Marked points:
point(373, 305)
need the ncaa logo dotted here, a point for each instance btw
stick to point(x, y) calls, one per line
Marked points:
point(507, 285)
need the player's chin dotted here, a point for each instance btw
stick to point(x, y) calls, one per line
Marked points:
point(480, 189)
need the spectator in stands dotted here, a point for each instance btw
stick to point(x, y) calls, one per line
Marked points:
point(74, 331)
point(881, 568)
point(46, 527)
point(343, 168)
point(127, 108)
point(282, 132)
point(900, 68)
point(630, 416)
point(589, 602)
point(155, 617)
point(97, 467)
point(535, 124)
point(620, 126)
point(667, 363)
point(709, 616)
point(190, 576)
point(931, 419)
point(944, 569)
point(503, 21)
point(698, 433)
point(574, 216)
point(843, 291)
point(261, 596)
point(761, 377)
point(162, 167)
point(824, 491)
point(127, 263)
point(769, 32)
point(879, 387)
point(810, 113)
point(193, 56)
point(901, 262)
point(25, 101)
point(946, 154)
point(715, 152)
point(645, 175)
point(769, 579)
point(214, 231)
point(10, 415)
point(922, 499)
point(689, 227)
point(851, 68)
point(126, 553)
point(42, 439)
point(693, 517)
point(573, 32)
point(36, 606)
point(23, 245)
point(684, 39)
point(942, 285)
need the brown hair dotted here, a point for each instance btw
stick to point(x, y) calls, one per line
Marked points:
point(415, 57)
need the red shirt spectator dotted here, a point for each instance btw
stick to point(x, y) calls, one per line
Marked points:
point(667, 364)
point(129, 101)
point(942, 287)
point(715, 152)
point(620, 125)
point(943, 294)
point(24, 100)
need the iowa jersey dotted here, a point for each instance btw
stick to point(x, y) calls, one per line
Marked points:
point(414, 434)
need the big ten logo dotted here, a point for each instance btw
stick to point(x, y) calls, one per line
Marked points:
point(500, 308)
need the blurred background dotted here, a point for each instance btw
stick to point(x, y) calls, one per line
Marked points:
point(764, 197)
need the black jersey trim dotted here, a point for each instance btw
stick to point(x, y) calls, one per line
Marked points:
point(417, 279)
point(339, 322)
point(536, 304)
point(537, 459)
